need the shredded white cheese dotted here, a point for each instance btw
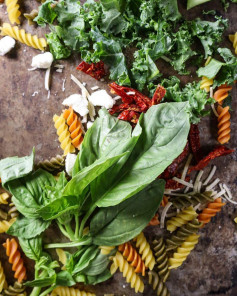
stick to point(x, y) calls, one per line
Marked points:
point(131, 93)
point(84, 119)
point(69, 163)
point(48, 96)
point(213, 170)
point(163, 215)
point(78, 104)
point(89, 124)
point(197, 181)
point(213, 184)
point(214, 110)
point(185, 170)
point(227, 191)
point(59, 66)
point(63, 86)
point(218, 194)
point(183, 182)
point(42, 61)
point(94, 87)
point(116, 98)
point(7, 43)
point(211, 92)
point(59, 70)
point(35, 93)
point(101, 98)
point(46, 80)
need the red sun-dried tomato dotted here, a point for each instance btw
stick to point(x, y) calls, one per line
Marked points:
point(218, 151)
point(194, 141)
point(95, 70)
point(158, 95)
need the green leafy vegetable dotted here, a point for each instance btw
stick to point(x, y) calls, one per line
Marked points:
point(32, 247)
point(193, 3)
point(58, 50)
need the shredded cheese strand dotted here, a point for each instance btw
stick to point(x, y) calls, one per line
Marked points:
point(213, 184)
point(185, 170)
point(163, 215)
point(183, 182)
point(197, 181)
point(210, 175)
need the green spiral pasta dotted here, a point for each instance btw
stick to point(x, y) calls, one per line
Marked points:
point(182, 233)
point(157, 284)
point(16, 290)
point(13, 213)
point(54, 164)
point(3, 215)
point(159, 248)
point(191, 200)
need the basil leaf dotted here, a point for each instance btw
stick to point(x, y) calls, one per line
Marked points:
point(94, 280)
point(32, 247)
point(97, 266)
point(165, 128)
point(65, 279)
point(44, 282)
point(118, 224)
point(12, 168)
point(27, 228)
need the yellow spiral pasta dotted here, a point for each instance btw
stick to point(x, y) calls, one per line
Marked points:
point(66, 291)
point(106, 250)
point(3, 282)
point(206, 83)
point(23, 37)
point(233, 39)
point(183, 251)
point(223, 124)
point(5, 225)
point(3, 198)
point(13, 11)
point(61, 256)
point(128, 272)
point(182, 218)
point(63, 133)
point(145, 251)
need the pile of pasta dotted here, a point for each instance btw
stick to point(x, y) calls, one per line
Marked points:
point(220, 94)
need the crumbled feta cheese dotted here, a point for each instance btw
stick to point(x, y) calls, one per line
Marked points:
point(89, 124)
point(6, 44)
point(78, 104)
point(69, 163)
point(42, 61)
point(101, 98)
point(95, 87)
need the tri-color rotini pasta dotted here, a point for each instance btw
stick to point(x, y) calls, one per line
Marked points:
point(222, 93)
point(5, 225)
point(157, 284)
point(133, 257)
point(3, 198)
point(26, 38)
point(106, 250)
point(145, 250)
point(159, 248)
point(56, 163)
point(128, 272)
point(206, 82)
point(16, 290)
point(13, 11)
point(233, 39)
point(30, 16)
point(180, 202)
point(63, 134)
point(223, 124)
point(210, 211)
point(15, 259)
point(182, 218)
point(13, 212)
point(75, 127)
point(3, 282)
point(183, 251)
point(66, 291)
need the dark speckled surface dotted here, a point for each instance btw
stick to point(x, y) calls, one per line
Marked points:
point(26, 121)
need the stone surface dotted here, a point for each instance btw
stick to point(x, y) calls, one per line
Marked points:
point(26, 121)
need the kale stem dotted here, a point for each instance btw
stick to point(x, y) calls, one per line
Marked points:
point(69, 231)
point(50, 289)
point(166, 59)
point(63, 230)
point(82, 242)
point(77, 226)
point(84, 220)
point(36, 291)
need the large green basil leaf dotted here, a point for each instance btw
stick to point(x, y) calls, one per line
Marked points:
point(118, 224)
point(94, 280)
point(12, 168)
point(97, 266)
point(28, 227)
point(165, 129)
point(32, 247)
point(64, 278)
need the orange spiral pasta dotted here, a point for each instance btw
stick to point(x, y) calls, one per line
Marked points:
point(164, 201)
point(222, 93)
point(233, 39)
point(15, 259)
point(223, 124)
point(210, 211)
point(154, 221)
point(132, 256)
point(75, 127)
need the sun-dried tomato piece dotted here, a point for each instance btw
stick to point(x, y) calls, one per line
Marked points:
point(95, 70)
point(194, 141)
point(158, 95)
point(218, 151)
point(130, 116)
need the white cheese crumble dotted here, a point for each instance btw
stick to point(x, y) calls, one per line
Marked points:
point(69, 163)
point(6, 44)
point(42, 61)
point(78, 104)
point(89, 124)
point(101, 98)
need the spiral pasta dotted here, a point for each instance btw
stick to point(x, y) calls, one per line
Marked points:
point(182, 218)
point(164, 201)
point(75, 127)
point(30, 16)
point(233, 39)
point(13, 11)
point(210, 211)
point(15, 259)
point(157, 284)
point(159, 248)
point(66, 291)
point(182, 233)
point(183, 251)
point(222, 93)
point(132, 256)
point(223, 124)
point(145, 250)
point(13, 213)
point(3, 282)
point(128, 272)
point(180, 202)
point(3, 215)
point(16, 290)
point(63, 133)
point(5, 225)
point(206, 83)
point(54, 164)
point(4, 197)
point(106, 250)
point(23, 37)
point(62, 257)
